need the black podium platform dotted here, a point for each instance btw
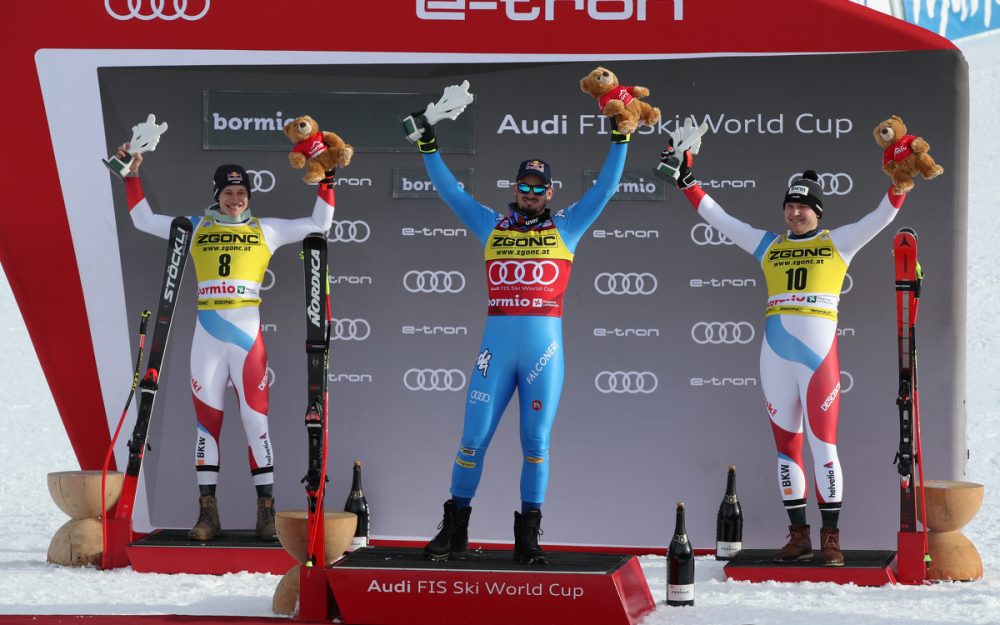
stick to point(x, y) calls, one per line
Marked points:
point(171, 551)
point(861, 567)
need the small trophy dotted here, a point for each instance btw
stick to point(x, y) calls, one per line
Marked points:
point(682, 139)
point(145, 136)
point(453, 101)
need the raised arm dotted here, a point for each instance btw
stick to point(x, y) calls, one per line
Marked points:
point(478, 218)
point(582, 214)
point(676, 169)
point(279, 232)
point(143, 217)
point(852, 237)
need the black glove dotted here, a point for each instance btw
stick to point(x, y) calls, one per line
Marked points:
point(414, 123)
point(616, 136)
point(675, 168)
point(327, 180)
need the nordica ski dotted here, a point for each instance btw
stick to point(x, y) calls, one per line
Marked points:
point(314, 248)
point(913, 551)
point(177, 252)
point(143, 320)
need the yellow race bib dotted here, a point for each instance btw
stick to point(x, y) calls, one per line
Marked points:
point(803, 277)
point(230, 262)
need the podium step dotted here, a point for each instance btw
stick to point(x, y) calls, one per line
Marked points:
point(862, 567)
point(397, 586)
point(483, 560)
point(171, 551)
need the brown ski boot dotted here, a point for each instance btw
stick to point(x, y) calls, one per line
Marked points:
point(799, 545)
point(829, 542)
point(265, 519)
point(207, 526)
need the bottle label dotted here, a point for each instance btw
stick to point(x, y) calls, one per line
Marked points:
point(680, 592)
point(727, 550)
point(358, 542)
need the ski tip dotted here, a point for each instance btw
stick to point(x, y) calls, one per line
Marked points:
point(907, 230)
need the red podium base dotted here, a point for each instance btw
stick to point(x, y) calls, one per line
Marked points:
point(171, 551)
point(381, 586)
point(863, 568)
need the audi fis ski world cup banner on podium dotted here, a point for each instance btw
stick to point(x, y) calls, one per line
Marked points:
point(663, 315)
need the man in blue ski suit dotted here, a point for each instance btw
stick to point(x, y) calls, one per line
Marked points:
point(529, 255)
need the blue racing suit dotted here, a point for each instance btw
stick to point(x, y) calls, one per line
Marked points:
point(528, 263)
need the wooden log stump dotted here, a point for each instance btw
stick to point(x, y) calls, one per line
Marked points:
point(953, 557)
point(286, 595)
point(79, 542)
point(78, 493)
point(339, 527)
point(950, 506)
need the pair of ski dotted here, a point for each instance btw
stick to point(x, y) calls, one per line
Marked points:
point(913, 553)
point(117, 532)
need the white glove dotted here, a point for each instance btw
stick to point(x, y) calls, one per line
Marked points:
point(688, 137)
point(145, 135)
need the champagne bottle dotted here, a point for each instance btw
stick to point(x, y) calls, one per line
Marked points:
point(358, 504)
point(680, 564)
point(729, 522)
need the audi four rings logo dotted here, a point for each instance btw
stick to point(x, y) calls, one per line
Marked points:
point(833, 184)
point(625, 283)
point(261, 180)
point(846, 382)
point(349, 232)
point(434, 379)
point(269, 280)
point(156, 9)
point(350, 330)
point(722, 332)
point(480, 396)
point(626, 382)
point(704, 234)
point(434, 281)
point(849, 281)
point(542, 272)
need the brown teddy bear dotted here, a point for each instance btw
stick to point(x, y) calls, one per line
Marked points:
point(318, 151)
point(620, 102)
point(904, 156)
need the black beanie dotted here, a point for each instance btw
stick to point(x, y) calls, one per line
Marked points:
point(226, 175)
point(806, 190)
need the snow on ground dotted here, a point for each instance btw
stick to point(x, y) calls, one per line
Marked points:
point(35, 443)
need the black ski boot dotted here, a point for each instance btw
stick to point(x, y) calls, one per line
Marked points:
point(527, 528)
point(453, 539)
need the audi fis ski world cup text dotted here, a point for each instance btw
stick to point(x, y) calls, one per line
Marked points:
point(442, 587)
point(721, 123)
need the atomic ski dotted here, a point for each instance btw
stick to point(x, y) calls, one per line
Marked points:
point(177, 252)
point(314, 249)
point(912, 546)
